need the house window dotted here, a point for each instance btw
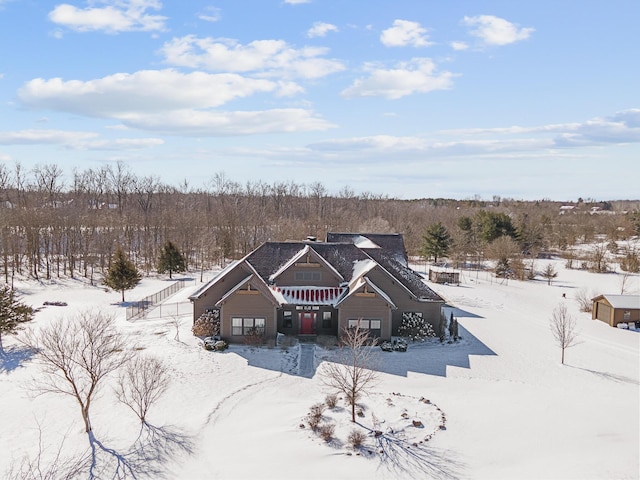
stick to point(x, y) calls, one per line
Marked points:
point(287, 319)
point(373, 325)
point(326, 319)
point(245, 326)
point(307, 276)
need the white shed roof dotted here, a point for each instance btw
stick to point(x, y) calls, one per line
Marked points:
point(624, 301)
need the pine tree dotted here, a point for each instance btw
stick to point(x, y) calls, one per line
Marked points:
point(12, 312)
point(437, 242)
point(171, 260)
point(549, 273)
point(122, 273)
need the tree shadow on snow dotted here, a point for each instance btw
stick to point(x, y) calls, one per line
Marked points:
point(13, 357)
point(148, 457)
point(414, 460)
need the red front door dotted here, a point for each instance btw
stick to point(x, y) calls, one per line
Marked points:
point(307, 323)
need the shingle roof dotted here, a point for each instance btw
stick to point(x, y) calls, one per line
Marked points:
point(406, 276)
point(392, 243)
point(271, 256)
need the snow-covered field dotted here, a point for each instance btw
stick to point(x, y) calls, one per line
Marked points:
point(498, 404)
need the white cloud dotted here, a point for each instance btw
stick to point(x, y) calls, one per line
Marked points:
point(36, 137)
point(405, 33)
point(296, 2)
point(517, 144)
point(458, 46)
point(193, 122)
point(267, 57)
point(210, 14)
point(171, 102)
point(416, 76)
point(320, 29)
point(495, 30)
point(148, 90)
point(619, 128)
point(121, 144)
point(116, 16)
point(74, 140)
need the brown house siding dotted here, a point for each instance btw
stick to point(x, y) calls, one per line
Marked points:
point(366, 307)
point(247, 306)
point(405, 302)
point(288, 277)
point(430, 312)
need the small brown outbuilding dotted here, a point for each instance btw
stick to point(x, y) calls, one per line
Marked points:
point(615, 309)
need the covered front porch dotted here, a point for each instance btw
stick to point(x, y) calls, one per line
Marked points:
point(307, 312)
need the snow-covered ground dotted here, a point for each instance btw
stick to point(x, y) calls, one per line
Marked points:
point(497, 404)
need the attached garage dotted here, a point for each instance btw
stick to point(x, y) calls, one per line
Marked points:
point(615, 309)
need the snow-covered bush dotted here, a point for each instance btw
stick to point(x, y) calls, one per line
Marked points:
point(207, 324)
point(415, 327)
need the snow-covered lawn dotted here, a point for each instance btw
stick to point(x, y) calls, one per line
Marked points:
point(508, 408)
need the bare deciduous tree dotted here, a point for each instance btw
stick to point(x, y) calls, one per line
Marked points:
point(563, 327)
point(354, 374)
point(584, 300)
point(77, 355)
point(143, 382)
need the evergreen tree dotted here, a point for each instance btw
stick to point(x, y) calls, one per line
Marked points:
point(122, 273)
point(12, 312)
point(549, 273)
point(437, 242)
point(492, 225)
point(171, 260)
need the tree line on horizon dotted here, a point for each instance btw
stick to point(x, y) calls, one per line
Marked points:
point(52, 228)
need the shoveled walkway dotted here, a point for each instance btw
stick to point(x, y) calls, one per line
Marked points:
point(306, 367)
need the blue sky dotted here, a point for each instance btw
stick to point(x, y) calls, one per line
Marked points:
point(410, 98)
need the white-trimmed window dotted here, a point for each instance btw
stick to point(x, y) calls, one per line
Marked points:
point(374, 325)
point(246, 325)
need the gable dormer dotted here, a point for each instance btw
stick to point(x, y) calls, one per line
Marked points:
point(307, 268)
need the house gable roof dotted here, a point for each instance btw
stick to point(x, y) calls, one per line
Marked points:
point(307, 250)
point(360, 282)
point(257, 282)
point(272, 257)
point(219, 277)
point(627, 302)
point(345, 260)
